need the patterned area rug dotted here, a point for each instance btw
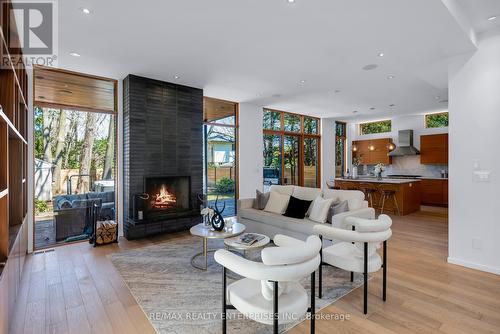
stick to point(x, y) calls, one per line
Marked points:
point(178, 298)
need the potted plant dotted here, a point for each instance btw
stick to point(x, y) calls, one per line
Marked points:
point(356, 161)
point(379, 168)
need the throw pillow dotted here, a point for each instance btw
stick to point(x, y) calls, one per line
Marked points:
point(336, 208)
point(319, 209)
point(297, 208)
point(277, 203)
point(260, 200)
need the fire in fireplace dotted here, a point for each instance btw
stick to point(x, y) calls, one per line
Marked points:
point(167, 194)
point(164, 199)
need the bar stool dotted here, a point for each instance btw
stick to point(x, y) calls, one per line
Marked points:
point(387, 192)
point(369, 191)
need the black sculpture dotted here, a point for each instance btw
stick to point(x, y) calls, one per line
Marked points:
point(217, 219)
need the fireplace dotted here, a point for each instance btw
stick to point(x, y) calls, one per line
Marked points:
point(166, 195)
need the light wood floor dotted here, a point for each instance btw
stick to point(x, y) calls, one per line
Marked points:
point(75, 289)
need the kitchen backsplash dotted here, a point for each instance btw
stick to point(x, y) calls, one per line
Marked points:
point(408, 165)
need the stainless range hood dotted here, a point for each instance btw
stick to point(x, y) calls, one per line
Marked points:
point(405, 144)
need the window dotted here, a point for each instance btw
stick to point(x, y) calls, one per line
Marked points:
point(220, 131)
point(292, 123)
point(375, 127)
point(439, 120)
point(340, 148)
point(311, 125)
point(291, 149)
point(272, 120)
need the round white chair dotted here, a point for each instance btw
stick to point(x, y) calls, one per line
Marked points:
point(270, 292)
point(357, 250)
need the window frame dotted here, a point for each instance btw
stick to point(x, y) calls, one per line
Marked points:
point(301, 135)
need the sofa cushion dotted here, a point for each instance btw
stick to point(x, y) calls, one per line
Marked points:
point(277, 203)
point(261, 200)
point(319, 209)
point(297, 208)
point(354, 204)
point(343, 195)
point(285, 190)
point(305, 193)
point(336, 208)
point(303, 226)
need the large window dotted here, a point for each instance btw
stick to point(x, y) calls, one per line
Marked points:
point(291, 149)
point(340, 149)
point(221, 173)
point(438, 120)
point(375, 127)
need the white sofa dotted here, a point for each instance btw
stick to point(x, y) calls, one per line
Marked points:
point(270, 224)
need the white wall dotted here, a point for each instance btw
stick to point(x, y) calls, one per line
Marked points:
point(250, 150)
point(474, 221)
point(327, 150)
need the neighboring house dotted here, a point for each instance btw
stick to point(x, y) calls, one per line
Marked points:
point(220, 150)
point(43, 180)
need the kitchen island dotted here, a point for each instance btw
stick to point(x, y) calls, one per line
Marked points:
point(407, 192)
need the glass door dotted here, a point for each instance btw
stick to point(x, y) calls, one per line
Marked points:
point(291, 156)
point(311, 163)
point(272, 161)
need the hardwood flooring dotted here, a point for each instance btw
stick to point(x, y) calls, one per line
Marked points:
point(75, 289)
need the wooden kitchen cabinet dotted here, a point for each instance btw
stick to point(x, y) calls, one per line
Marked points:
point(434, 192)
point(378, 153)
point(434, 149)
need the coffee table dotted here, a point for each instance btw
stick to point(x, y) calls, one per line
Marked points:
point(231, 243)
point(206, 233)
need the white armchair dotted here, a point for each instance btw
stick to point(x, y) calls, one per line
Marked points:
point(270, 292)
point(357, 251)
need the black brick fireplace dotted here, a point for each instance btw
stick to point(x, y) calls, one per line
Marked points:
point(163, 156)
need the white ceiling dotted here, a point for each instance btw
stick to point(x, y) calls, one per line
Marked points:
point(258, 51)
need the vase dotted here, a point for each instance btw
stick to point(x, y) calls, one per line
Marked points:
point(379, 176)
point(355, 172)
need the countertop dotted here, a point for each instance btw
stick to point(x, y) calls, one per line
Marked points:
point(375, 180)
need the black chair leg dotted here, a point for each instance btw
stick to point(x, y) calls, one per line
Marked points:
point(224, 307)
point(313, 301)
point(384, 287)
point(365, 295)
point(352, 276)
point(275, 309)
point(320, 288)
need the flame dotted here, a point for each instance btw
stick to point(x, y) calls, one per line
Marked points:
point(164, 198)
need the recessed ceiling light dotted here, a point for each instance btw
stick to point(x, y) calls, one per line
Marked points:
point(85, 10)
point(302, 81)
point(372, 108)
point(492, 18)
point(370, 67)
point(354, 111)
point(437, 97)
point(176, 76)
point(290, 1)
point(392, 105)
point(336, 91)
point(381, 54)
point(390, 77)
point(74, 54)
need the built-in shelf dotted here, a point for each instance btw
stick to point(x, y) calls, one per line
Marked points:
point(4, 193)
point(13, 132)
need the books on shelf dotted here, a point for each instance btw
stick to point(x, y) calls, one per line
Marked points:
point(249, 239)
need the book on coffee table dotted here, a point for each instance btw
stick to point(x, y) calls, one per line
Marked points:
point(249, 239)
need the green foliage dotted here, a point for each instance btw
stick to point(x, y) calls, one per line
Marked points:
point(99, 153)
point(310, 125)
point(225, 185)
point(41, 206)
point(292, 123)
point(375, 127)
point(272, 120)
point(436, 120)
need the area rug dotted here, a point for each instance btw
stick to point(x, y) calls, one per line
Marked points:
point(178, 298)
